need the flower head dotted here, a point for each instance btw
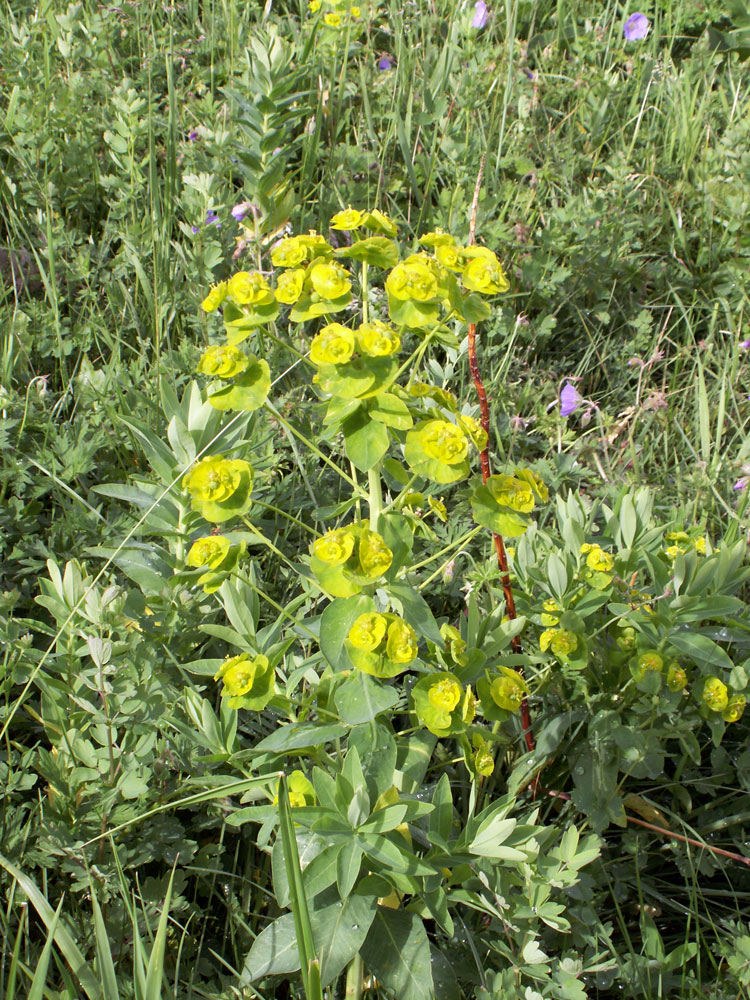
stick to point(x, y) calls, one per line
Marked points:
point(735, 708)
point(508, 690)
point(483, 272)
point(570, 399)
point(223, 361)
point(636, 27)
point(348, 219)
point(215, 297)
point(241, 210)
point(715, 694)
point(220, 488)
point(210, 551)
point(480, 14)
point(248, 682)
point(249, 288)
point(334, 345)
point(368, 631)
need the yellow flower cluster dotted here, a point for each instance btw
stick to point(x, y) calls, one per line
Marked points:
point(223, 361)
point(681, 541)
point(384, 634)
point(559, 640)
point(249, 682)
point(597, 570)
point(455, 644)
point(338, 16)
point(335, 344)
point(209, 551)
point(716, 697)
point(509, 689)
point(219, 487)
point(361, 553)
point(442, 704)
point(479, 267)
point(300, 789)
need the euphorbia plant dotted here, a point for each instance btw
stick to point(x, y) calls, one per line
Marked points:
point(386, 693)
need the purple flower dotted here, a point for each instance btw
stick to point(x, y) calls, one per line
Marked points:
point(384, 64)
point(480, 14)
point(570, 400)
point(742, 484)
point(744, 344)
point(240, 211)
point(192, 136)
point(636, 27)
point(212, 219)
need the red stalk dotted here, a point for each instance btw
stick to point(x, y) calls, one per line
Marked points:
point(484, 409)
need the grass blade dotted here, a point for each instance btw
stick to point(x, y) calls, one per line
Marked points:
point(36, 992)
point(298, 899)
point(69, 949)
point(105, 965)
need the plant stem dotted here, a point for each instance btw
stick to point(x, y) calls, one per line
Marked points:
point(376, 496)
point(354, 979)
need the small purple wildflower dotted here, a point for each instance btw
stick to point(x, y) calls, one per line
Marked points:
point(744, 344)
point(192, 136)
point(742, 484)
point(240, 211)
point(480, 14)
point(212, 219)
point(570, 400)
point(636, 27)
point(384, 64)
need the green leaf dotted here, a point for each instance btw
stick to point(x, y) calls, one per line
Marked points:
point(361, 699)
point(348, 864)
point(298, 735)
point(502, 520)
point(239, 324)
point(335, 623)
point(359, 378)
point(297, 895)
point(248, 392)
point(391, 410)
point(377, 751)
point(274, 952)
point(339, 930)
point(366, 440)
point(415, 315)
point(700, 648)
point(376, 250)
point(305, 309)
point(414, 755)
point(488, 842)
point(441, 819)
point(416, 611)
point(397, 953)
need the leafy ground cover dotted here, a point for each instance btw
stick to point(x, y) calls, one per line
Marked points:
point(318, 678)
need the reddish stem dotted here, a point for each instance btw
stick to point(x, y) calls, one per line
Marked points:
point(502, 557)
